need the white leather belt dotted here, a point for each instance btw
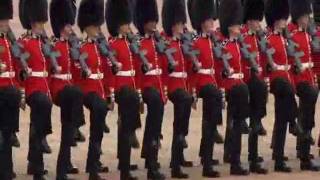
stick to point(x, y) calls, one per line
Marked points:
point(282, 67)
point(97, 76)
point(307, 65)
point(206, 71)
point(42, 74)
point(63, 76)
point(154, 72)
point(178, 75)
point(126, 73)
point(7, 74)
point(236, 76)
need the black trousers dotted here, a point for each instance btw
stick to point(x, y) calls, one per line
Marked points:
point(212, 114)
point(237, 111)
point(40, 127)
point(308, 96)
point(128, 109)
point(285, 112)
point(258, 92)
point(182, 102)
point(98, 112)
point(70, 101)
point(152, 133)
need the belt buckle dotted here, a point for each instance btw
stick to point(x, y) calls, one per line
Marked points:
point(132, 73)
point(45, 73)
point(99, 75)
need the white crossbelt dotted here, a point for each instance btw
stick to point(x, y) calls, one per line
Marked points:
point(178, 75)
point(282, 67)
point(236, 76)
point(154, 72)
point(96, 76)
point(307, 65)
point(129, 73)
point(63, 76)
point(42, 74)
point(206, 71)
point(7, 74)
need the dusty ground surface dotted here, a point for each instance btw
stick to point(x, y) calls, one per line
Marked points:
point(110, 140)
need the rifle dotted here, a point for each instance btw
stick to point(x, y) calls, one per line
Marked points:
point(162, 48)
point(291, 50)
point(315, 40)
point(249, 56)
point(105, 50)
point(187, 43)
point(17, 52)
point(269, 52)
point(134, 41)
point(48, 52)
point(75, 46)
point(217, 50)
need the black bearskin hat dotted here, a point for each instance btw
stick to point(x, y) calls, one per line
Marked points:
point(6, 9)
point(145, 11)
point(62, 12)
point(118, 12)
point(230, 14)
point(276, 10)
point(173, 12)
point(200, 11)
point(23, 15)
point(316, 11)
point(37, 10)
point(91, 13)
point(299, 8)
point(253, 10)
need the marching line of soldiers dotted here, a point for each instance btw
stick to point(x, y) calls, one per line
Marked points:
point(233, 66)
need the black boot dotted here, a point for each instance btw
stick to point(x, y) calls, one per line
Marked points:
point(226, 158)
point(63, 177)
point(262, 131)
point(255, 167)
point(95, 176)
point(146, 165)
point(39, 177)
point(213, 162)
point(258, 159)
point(308, 165)
point(127, 176)
point(133, 139)
point(106, 129)
point(14, 140)
point(217, 137)
point(238, 170)
point(281, 166)
point(176, 172)
point(72, 169)
point(45, 146)
point(155, 175)
point(31, 170)
point(245, 128)
point(209, 172)
point(78, 136)
point(133, 167)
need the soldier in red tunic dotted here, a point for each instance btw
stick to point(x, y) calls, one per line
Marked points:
point(151, 83)
point(231, 77)
point(89, 21)
point(254, 77)
point(36, 84)
point(64, 93)
point(173, 20)
point(10, 96)
point(202, 15)
point(304, 78)
point(316, 56)
point(124, 85)
point(281, 81)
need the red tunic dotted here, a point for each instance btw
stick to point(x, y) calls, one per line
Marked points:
point(304, 45)
point(252, 40)
point(9, 74)
point(95, 63)
point(127, 76)
point(280, 57)
point(38, 64)
point(227, 83)
point(178, 78)
point(152, 78)
point(64, 61)
point(206, 58)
